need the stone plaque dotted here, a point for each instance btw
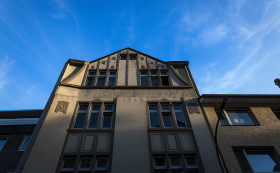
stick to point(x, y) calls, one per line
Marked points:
point(193, 108)
point(61, 106)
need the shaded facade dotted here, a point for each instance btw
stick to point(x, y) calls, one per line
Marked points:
point(16, 128)
point(124, 112)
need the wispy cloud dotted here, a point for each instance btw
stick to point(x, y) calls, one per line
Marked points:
point(5, 66)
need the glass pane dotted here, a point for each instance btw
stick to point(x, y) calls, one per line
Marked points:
point(101, 81)
point(154, 119)
point(80, 120)
point(113, 73)
point(92, 73)
point(112, 81)
point(108, 107)
point(180, 119)
point(163, 73)
point(90, 81)
point(144, 73)
point(101, 163)
point(153, 107)
point(107, 120)
point(262, 161)
point(159, 161)
point(144, 81)
point(191, 162)
point(155, 81)
point(177, 107)
point(85, 163)
point(83, 107)
point(69, 163)
point(240, 118)
point(175, 162)
point(96, 107)
point(167, 120)
point(223, 120)
point(164, 80)
point(93, 122)
point(102, 73)
point(165, 107)
point(26, 141)
point(154, 73)
point(2, 143)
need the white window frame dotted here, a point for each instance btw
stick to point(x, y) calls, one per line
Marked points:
point(22, 143)
point(94, 111)
point(104, 111)
point(229, 121)
point(182, 114)
point(4, 136)
point(166, 111)
point(81, 111)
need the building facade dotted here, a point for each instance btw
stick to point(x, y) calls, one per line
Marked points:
point(125, 112)
point(16, 128)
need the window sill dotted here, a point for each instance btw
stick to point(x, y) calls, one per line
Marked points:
point(169, 129)
point(242, 125)
point(90, 130)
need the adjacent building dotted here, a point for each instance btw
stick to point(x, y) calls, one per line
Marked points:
point(16, 128)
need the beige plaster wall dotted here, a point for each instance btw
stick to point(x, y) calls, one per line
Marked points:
point(132, 73)
point(266, 134)
point(131, 149)
point(121, 73)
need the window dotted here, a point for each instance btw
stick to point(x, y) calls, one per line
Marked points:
point(3, 140)
point(85, 164)
point(164, 78)
point(68, 164)
point(168, 113)
point(112, 78)
point(277, 113)
point(103, 111)
point(90, 78)
point(132, 56)
point(24, 143)
point(257, 160)
point(144, 79)
point(173, 163)
point(101, 164)
point(123, 57)
point(101, 78)
point(154, 78)
point(236, 117)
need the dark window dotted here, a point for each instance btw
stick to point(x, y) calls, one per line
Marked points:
point(175, 162)
point(154, 78)
point(277, 113)
point(81, 116)
point(132, 56)
point(191, 163)
point(123, 57)
point(180, 119)
point(154, 116)
point(101, 164)
point(85, 164)
point(101, 78)
point(164, 78)
point(239, 117)
point(24, 143)
point(166, 116)
point(107, 116)
point(90, 78)
point(261, 160)
point(68, 164)
point(112, 78)
point(3, 140)
point(159, 162)
point(94, 115)
point(144, 79)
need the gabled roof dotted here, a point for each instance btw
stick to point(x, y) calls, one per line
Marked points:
point(132, 50)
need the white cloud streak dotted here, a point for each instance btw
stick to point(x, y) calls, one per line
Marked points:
point(5, 66)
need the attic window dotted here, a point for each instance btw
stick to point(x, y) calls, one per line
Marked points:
point(123, 57)
point(132, 56)
point(164, 78)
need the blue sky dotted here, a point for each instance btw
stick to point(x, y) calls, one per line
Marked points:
point(233, 46)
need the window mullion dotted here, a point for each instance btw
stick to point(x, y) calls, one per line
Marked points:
point(226, 116)
point(102, 107)
point(173, 115)
point(160, 115)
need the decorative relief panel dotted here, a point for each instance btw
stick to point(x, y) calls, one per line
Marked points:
point(61, 106)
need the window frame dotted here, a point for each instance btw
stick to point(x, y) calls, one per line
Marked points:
point(110, 76)
point(156, 75)
point(229, 123)
point(269, 151)
point(22, 143)
point(160, 76)
point(81, 111)
point(91, 76)
point(146, 75)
